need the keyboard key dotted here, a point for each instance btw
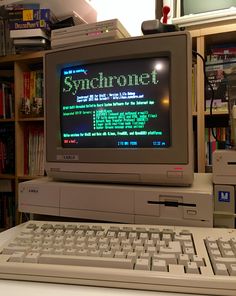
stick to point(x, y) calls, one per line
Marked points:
point(17, 257)
point(232, 269)
point(142, 264)
point(176, 269)
point(159, 265)
point(198, 260)
point(87, 261)
point(183, 259)
point(192, 268)
point(11, 249)
point(220, 269)
point(173, 248)
point(224, 260)
point(169, 258)
point(31, 258)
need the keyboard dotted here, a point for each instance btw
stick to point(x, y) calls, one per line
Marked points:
point(147, 257)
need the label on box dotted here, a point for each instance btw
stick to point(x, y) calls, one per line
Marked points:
point(28, 15)
point(223, 196)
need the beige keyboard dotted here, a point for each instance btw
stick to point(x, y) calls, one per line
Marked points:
point(160, 258)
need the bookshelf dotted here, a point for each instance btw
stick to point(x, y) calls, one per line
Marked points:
point(21, 124)
point(204, 37)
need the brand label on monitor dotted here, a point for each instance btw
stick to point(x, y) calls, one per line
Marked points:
point(223, 196)
point(67, 157)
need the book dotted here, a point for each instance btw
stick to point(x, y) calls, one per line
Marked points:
point(6, 99)
point(19, 25)
point(1, 104)
point(34, 151)
point(6, 46)
point(222, 49)
point(32, 100)
point(31, 42)
point(7, 208)
point(11, 5)
point(2, 38)
point(221, 53)
point(211, 144)
point(26, 15)
point(7, 156)
point(32, 84)
point(25, 33)
point(218, 75)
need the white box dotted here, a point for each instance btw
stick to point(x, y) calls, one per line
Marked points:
point(224, 167)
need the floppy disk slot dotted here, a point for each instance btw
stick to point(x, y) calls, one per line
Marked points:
point(170, 203)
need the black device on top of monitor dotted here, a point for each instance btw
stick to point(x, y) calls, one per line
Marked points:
point(120, 111)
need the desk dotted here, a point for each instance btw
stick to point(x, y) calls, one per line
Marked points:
point(24, 288)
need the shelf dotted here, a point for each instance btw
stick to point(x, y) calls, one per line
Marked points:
point(30, 119)
point(7, 120)
point(22, 57)
point(27, 178)
point(216, 112)
point(7, 176)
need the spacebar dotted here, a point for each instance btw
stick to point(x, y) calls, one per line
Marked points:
point(86, 261)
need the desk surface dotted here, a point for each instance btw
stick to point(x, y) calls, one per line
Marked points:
point(23, 288)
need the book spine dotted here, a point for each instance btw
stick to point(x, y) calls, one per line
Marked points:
point(26, 151)
point(2, 38)
point(22, 6)
point(1, 102)
point(6, 100)
point(38, 84)
point(8, 43)
point(20, 25)
point(32, 85)
point(39, 93)
point(7, 158)
point(219, 80)
point(223, 50)
point(24, 33)
point(1, 211)
point(41, 154)
point(26, 76)
point(2, 168)
point(31, 15)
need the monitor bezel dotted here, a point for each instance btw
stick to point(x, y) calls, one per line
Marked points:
point(174, 45)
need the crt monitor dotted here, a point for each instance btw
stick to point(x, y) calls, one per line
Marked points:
point(120, 111)
point(201, 6)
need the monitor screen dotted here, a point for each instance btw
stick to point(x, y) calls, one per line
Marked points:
point(201, 6)
point(190, 13)
point(120, 111)
point(118, 104)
